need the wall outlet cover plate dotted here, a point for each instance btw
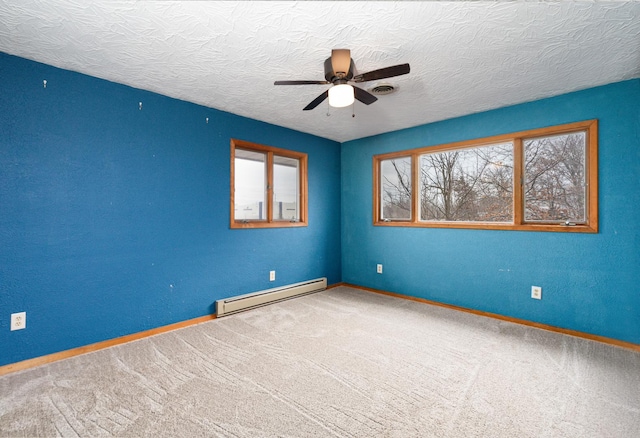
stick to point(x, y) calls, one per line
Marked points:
point(18, 321)
point(536, 292)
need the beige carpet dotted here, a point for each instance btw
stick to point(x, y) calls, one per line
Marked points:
point(339, 363)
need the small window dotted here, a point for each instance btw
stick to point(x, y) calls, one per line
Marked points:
point(544, 179)
point(268, 186)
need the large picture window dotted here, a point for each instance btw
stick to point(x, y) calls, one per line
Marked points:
point(543, 179)
point(268, 186)
point(467, 185)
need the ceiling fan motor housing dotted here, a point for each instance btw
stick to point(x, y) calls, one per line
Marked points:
point(337, 77)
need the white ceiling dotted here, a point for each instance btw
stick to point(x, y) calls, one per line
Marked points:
point(465, 57)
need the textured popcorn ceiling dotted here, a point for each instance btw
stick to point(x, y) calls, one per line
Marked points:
point(465, 56)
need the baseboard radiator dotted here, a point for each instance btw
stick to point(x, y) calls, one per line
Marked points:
point(256, 299)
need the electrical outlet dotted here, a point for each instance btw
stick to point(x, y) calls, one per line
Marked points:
point(18, 321)
point(536, 292)
point(272, 275)
point(379, 269)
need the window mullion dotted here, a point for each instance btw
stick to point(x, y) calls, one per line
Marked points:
point(269, 187)
point(377, 190)
point(233, 185)
point(518, 182)
point(415, 188)
point(591, 180)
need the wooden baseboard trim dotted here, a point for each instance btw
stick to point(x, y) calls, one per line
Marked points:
point(54, 357)
point(575, 333)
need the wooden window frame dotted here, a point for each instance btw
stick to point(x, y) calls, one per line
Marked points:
point(590, 127)
point(302, 195)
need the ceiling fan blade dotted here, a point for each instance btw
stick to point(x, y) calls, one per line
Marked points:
point(301, 83)
point(364, 96)
point(387, 72)
point(340, 61)
point(317, 101)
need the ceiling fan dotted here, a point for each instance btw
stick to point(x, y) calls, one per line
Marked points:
point(339, 70)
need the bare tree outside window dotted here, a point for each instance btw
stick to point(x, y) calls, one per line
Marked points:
point(396, 188)
point(467, 184)
point(554, 178)
point(543, 179)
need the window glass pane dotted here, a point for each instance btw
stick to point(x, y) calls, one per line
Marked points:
point(554, 178)
point(286, 188)
point(250, 185)
point(470, 185)
point(395, 188)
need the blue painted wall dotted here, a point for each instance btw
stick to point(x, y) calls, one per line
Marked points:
point(115, 220)
point(591, 282)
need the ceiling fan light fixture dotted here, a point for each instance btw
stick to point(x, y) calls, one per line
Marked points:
point(341, 95)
